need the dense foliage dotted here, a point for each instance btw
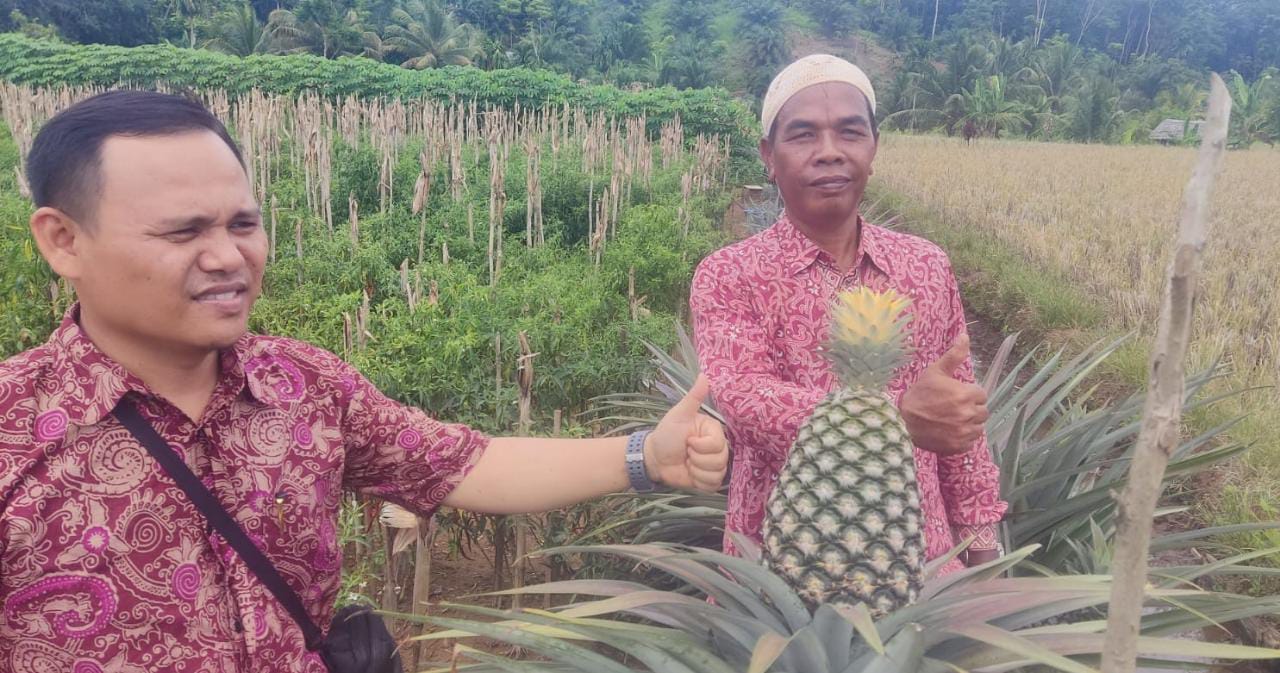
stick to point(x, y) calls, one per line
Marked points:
point(1086, 70)
point(47, 63)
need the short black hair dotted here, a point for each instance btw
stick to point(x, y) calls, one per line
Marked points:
point(63, 164)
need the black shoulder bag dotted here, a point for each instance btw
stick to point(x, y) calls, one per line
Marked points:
point(358, 641)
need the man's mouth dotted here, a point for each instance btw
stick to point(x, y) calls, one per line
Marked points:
point(229, 297)
point(831, 182)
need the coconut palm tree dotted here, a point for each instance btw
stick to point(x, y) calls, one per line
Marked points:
point(186, 12)
point(375, 47)
point(931, 92)
point(429, 36)
point(317, 26)
point(242, 33)
point(987, 106)
point(1093, 110)
point(1056, 68)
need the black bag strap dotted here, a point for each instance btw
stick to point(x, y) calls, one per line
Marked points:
point(218, 517)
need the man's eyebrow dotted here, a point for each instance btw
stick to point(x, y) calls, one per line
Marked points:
point(853, 120)
point(203, 221)
point(805, 124)
point(799, 125)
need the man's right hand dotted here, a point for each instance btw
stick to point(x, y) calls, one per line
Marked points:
point(942, 414)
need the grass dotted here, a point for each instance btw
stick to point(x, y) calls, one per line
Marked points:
point(1070, 243)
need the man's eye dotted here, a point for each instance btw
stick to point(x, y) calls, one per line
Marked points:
point(246, 225)
point(183, 234)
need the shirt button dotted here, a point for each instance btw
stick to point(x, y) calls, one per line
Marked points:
point(239, 626)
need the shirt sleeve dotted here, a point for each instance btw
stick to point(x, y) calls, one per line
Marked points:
point(763, 413)
point(399, 453)
point(970, 482)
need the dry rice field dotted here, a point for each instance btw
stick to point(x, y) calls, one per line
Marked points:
point(1104, 218)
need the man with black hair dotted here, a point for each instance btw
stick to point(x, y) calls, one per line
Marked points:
point(144, 206)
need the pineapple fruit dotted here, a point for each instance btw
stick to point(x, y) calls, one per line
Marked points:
point(843, 525)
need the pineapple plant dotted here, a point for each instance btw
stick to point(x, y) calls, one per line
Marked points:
point(843, 525)
point(978, 619)
point(1012, 614)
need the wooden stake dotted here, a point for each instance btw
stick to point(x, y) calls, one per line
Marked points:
point(297, 241)
point(524, 378)
point(422, 237)
point(353, 210)
point(273, 228)
point(1159, 433)
point(422, 578)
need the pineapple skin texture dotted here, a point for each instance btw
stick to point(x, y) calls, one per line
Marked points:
point(843, 524)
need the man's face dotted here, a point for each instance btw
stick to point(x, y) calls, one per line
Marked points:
point(173, 254)
point(820, 152)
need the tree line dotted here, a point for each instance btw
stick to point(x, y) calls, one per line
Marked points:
point(1085, 70)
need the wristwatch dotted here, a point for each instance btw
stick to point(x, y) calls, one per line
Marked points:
point(636, 474)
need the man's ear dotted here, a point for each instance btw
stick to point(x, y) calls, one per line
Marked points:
point(766, 155)
point(58, 236)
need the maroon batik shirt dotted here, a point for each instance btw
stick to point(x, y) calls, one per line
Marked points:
point(105, 565)
point(760, 316)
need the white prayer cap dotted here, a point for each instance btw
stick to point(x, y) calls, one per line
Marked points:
point(806, 72)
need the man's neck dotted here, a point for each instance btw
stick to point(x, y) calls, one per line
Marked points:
point(185, 377)
point(840, 241)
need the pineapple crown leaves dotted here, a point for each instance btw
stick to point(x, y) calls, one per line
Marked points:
point(868, 337)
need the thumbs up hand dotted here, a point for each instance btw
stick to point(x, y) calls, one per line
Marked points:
point(688, 449)
point(943, 414)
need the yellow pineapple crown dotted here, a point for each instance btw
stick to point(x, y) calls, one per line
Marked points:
point(868, 337)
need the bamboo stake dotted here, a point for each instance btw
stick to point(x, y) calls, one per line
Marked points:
point(1161, 417)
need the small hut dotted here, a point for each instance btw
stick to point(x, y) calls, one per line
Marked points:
point(1172, 131)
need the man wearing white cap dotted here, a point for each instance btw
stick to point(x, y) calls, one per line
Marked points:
point(760, 315)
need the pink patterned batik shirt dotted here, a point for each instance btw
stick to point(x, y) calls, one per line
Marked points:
point(760, 319)
point(106, 566)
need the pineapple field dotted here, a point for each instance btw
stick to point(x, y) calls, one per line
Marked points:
point(523, 266)
point(1072, 242)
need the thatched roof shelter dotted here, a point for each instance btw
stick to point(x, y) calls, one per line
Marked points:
point(1174, 130)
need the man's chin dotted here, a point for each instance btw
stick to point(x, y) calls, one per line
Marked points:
point(218, 335)
point(828, 213)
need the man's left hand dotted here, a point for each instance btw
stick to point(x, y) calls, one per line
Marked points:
point(943, 414)
point(688, 449)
